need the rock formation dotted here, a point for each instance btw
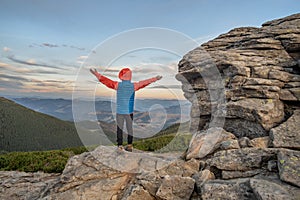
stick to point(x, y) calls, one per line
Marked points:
point(259, 68)
point(251, 151)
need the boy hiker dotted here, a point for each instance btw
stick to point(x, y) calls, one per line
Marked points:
point(125, 101)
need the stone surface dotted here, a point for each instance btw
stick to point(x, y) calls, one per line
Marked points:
point(201, 177)
point(229, 144)
point(244, 142)
point(176, 188)
point(289, 166)
point(137, 192)
point(206, 142)
point(261, 142)
point(241, 159)
point(181, 168)
point(265, 189)
point(239, 174)
point(105, 173)
point(272, 166)
point(238, 189)
point(150, 181)
point(25, 186)
point(287, 134)
point(267, 112)
point(244, 128)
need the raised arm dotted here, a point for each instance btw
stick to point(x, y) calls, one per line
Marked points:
point(144, 83)
point(106, 81)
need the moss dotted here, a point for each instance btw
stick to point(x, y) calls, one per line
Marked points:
point(294, 158)
point(282, 162)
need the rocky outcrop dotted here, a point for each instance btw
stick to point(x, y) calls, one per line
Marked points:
point(260, 73)
point(244, 87)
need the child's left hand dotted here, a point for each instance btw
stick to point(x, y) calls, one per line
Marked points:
point(158, 77)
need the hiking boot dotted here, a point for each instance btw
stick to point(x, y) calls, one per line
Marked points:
point(120, 148)
point(129, 148)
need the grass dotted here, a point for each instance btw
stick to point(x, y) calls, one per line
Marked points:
point(54, 161)
point(164, 143)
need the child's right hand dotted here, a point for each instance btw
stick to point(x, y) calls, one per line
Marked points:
point(94, 71)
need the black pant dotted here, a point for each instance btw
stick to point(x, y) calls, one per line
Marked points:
point(120, 123)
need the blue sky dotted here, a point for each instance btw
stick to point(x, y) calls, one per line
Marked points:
point(44, 42)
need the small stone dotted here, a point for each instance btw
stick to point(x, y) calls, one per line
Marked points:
point(201, 177)
point(244, 142)
point(176, 188)
point(137, 192)
point(229, 144)
point(272, 166)
point(190, 167)
point(261, 142)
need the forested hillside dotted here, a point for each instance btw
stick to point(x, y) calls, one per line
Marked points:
point(22, 129)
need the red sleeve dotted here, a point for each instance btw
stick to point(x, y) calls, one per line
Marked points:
point(106, 81)
point(144, 83)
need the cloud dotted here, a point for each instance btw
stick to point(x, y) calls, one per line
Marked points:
point(103, 69)
point(54, 83)
point(32, 62)
point(6, 49)
point(82, 57)
point(75, 47)
point(4, 64)
point(7, 77)
point(156, 68)
point(10, 85)
point(50, 45)
point(25, 70)
point(27, 85)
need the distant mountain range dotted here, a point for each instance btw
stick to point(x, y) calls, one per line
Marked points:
point(176, 111)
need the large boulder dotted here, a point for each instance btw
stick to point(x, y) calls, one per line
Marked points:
point(259, 68)
point(176, 188)
point(207, 142)
point(241, 159)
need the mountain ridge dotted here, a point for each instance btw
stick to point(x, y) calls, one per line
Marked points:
point(23, 129)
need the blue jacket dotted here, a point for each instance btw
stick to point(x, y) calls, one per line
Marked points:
point(125, 97)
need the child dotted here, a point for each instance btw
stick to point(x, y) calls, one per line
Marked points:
point(125, 101)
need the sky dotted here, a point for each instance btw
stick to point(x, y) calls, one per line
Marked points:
point(48, 46)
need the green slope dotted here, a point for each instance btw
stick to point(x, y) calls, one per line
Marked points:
point(22, 129)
